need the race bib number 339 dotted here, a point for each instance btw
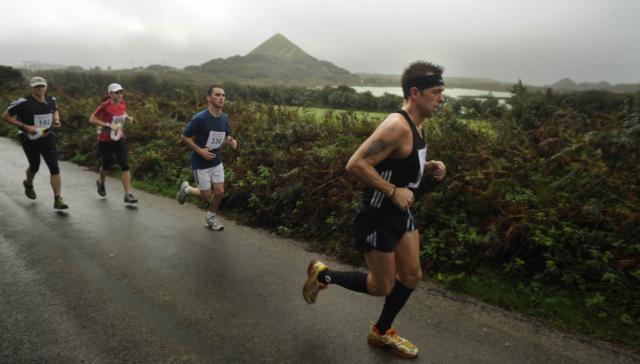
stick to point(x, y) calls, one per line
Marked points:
point(215, 140)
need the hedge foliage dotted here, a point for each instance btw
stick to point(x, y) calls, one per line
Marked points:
point(547, 193)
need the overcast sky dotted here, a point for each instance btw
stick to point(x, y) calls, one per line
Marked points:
point(538, 41)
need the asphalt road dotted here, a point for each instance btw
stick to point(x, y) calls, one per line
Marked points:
point(107, 283)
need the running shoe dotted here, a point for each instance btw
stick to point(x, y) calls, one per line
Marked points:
point(59, 204)
point(392, 341)
point(101, 190)
point(182, 193)
point(213, 223)
point(312, 286)
point(128, 198)
point(28, 190)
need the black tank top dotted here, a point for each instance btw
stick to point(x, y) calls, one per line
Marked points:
point(406, 172)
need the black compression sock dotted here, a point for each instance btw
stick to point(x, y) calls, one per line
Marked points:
point(392, 305)
point(355, 281)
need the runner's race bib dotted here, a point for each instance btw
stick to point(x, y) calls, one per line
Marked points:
point(215, 140)
point(116, 127)
point(42, 123)
point(422, 156)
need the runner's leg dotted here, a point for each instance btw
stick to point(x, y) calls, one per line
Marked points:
point(106, 149)
point(378, 281)
point(56, 183)
point(30, 175)
point(103, 174)
point(49, 153)
point(216, 197)
point(33, 157)
point(120, 150)
point(407, 256)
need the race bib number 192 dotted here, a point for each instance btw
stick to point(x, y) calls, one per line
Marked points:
point(42, 121)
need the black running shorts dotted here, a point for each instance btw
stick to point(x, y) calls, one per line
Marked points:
point(108, 149)
point(45, 147)
point(381, 229)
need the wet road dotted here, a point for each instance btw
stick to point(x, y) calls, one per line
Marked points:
point(105, 283)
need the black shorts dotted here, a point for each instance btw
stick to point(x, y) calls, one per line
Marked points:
point(108, 149)
point(381, 229)
point(45, 147)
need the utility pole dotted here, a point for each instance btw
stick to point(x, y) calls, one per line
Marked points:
point(31, 65)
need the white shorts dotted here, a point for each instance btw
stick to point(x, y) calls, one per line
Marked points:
point(206, 177)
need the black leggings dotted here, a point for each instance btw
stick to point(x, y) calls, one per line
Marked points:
point(45, 147)
point(107, 149)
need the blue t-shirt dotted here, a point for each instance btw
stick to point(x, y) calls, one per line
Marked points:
point(207, 132)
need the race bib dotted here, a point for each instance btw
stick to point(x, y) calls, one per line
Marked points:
point(42, 121)
point(215, 140)
point(116, 127)
point(422, 157)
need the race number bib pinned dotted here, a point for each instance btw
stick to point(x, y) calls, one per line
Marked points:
point(116, 127)
point(215, 140)
point(42, 123)
point(422, 156)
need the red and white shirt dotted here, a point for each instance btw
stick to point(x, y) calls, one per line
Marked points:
point(109, 112)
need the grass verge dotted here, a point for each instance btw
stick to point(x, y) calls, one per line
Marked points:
point(564, 310)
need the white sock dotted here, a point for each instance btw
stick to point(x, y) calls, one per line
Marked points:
point(210, 215)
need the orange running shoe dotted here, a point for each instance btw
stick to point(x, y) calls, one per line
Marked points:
point(391, 340)
point(312, 286)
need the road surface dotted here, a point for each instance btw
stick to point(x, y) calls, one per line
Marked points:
point(107, 283)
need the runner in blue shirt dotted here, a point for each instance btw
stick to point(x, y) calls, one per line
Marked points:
point(205, 134)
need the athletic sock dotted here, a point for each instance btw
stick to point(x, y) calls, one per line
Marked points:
point(392, 305)
point(355, 281)
point(210, 215)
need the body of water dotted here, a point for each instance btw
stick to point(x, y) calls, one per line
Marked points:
point(451, 92)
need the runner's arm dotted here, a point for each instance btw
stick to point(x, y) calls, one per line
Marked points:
point(233, 143)
point(203, 152)
point(93, 119)
point(12, 120)
point(384, 142)
point(56, 119)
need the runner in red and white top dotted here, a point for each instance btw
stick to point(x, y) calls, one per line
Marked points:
point(110, 117)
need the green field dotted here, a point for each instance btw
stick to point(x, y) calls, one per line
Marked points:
point(319, 113)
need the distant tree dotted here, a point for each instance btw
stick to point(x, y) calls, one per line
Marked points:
point(159, 68)
point(145, 83)
point(519, 89)
point(491, 108)
point(389, 102)
point(10, 78)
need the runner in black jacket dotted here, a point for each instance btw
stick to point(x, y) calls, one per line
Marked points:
point(35, 115)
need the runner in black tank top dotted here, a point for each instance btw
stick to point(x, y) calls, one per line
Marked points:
point(379, 223)
point(390, 163)
point(405, 172)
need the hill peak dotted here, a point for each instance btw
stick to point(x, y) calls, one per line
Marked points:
point(278, 46)
point(277, 58)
